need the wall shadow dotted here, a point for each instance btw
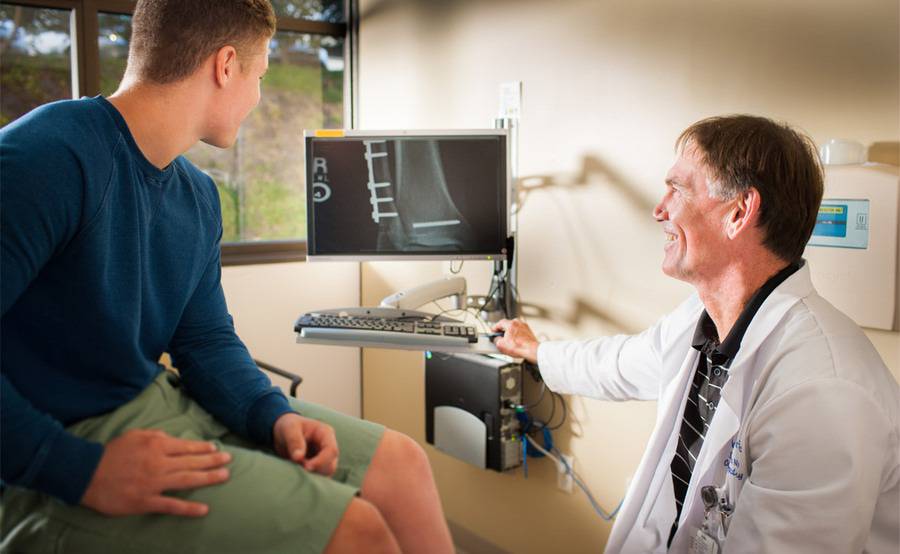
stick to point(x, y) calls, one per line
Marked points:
point(885, 153)
point(582, 310)
point(592, 167)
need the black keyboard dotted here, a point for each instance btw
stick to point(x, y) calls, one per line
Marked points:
point(385, 325)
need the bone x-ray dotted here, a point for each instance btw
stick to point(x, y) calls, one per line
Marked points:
point(377, 196)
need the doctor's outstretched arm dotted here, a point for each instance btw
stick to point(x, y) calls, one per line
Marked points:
point(622, 367)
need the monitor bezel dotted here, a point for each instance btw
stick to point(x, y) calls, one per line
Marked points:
point(338, 134)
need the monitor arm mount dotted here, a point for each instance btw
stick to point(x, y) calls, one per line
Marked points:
point(414, 297)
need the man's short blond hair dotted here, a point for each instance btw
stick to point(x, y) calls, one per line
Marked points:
point(170, 39)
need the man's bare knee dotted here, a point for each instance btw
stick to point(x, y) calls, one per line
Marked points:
point(410, 456)
point(362, 529)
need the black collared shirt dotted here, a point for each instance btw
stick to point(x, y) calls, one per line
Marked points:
point(709, 380)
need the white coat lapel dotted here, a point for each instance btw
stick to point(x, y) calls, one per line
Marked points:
point(649, 509)
point(741, 381)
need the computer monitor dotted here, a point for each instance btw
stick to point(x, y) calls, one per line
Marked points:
point(382, 195)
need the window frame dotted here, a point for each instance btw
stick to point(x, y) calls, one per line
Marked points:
point(86, 82)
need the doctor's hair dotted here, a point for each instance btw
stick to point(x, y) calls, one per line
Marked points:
point(170, 39)
point(743, 151)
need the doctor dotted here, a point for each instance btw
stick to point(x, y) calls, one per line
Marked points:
point(777, 429)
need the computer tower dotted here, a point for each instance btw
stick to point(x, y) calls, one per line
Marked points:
point(470, 404)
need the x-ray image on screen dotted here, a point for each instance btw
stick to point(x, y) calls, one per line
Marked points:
point(373, 196)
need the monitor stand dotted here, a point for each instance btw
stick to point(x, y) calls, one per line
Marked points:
point(415, 297)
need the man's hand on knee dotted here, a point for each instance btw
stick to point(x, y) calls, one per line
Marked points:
point(307, 442)
point(139, 465)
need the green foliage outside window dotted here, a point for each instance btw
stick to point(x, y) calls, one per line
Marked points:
point(35, 62)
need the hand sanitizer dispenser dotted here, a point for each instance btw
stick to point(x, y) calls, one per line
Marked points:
point(854, 247)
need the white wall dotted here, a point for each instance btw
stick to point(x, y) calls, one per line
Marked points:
point(608, 87)
point(265, 300)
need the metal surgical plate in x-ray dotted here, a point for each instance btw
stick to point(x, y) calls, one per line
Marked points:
point(410, 195)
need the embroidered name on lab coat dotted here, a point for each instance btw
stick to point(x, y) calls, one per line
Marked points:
point(732, 464)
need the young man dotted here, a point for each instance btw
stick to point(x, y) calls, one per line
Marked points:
point(110, 256)
point(766, 392)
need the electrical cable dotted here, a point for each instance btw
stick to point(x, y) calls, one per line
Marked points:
point(487, 298)
point(503, 304)
point(515, 292)
point(442, 312)
point(461, 262)
point(462, 311)
point(525, 456)
point(481, 323)
point(576, 479)
point(532, 370)
point(552, 410)
point(507, 269)
point(538, 401)
point(565, 412)
point(496, 276)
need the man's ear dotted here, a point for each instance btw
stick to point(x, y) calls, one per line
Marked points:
point(225, 65)
point(745, 212)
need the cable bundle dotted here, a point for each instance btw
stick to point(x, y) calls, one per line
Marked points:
point(530, 447)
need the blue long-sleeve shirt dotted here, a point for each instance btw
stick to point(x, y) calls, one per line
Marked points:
point(106, 262)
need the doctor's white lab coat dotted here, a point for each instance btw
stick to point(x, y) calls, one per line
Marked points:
point(804, 439)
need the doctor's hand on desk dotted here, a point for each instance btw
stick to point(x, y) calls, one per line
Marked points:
point(518, 339)
point(307, 442)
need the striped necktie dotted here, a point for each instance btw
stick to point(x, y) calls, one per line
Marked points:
point(702, 400)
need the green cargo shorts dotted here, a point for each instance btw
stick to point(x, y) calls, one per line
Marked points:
point(268, 504)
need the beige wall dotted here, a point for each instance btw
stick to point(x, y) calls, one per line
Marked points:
point(265, 300)
point(608, 87)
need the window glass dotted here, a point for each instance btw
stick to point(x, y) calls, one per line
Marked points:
point(35, 59)
point(113, 37)
point(316, 10)
point(261, 178)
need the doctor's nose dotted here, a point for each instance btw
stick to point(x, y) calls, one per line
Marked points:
point(659, 212)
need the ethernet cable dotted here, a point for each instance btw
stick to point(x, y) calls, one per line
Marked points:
point(576, 479)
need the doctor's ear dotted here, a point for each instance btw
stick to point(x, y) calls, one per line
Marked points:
point(744, 213)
